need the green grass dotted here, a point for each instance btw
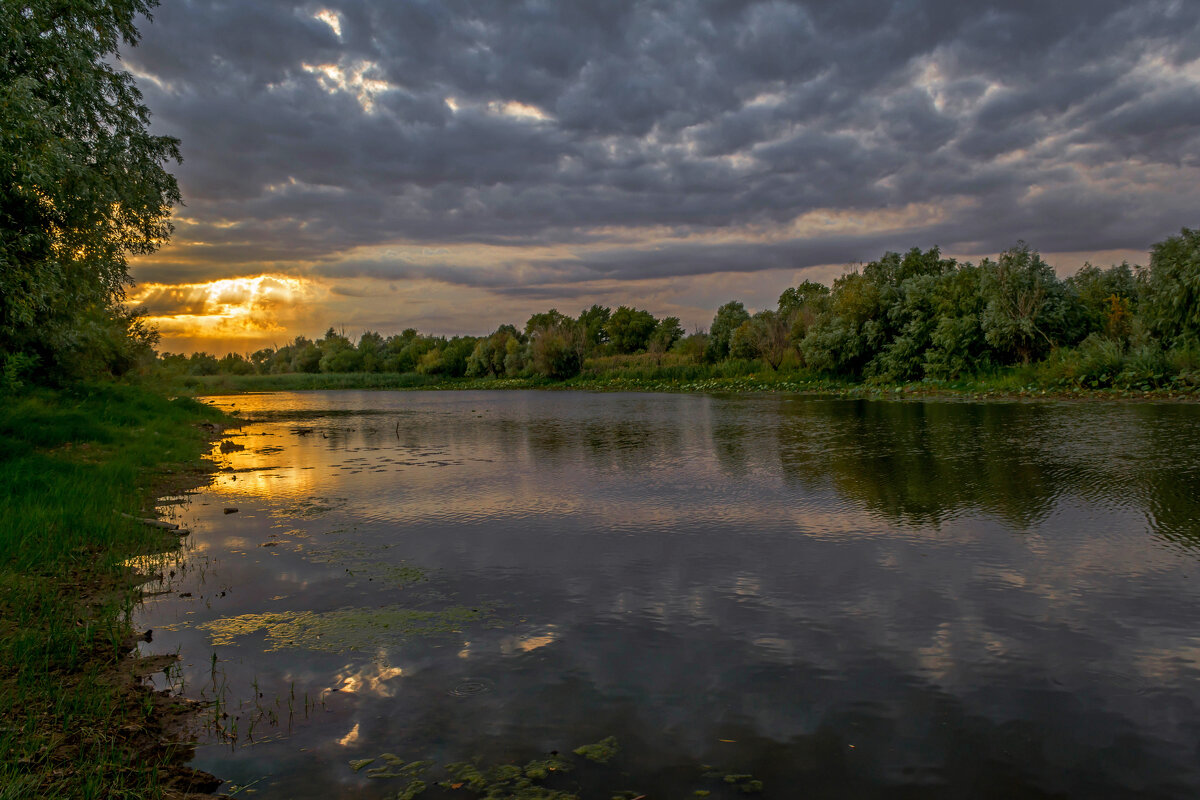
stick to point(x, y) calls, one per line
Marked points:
point(643, 374)
point(69, 462)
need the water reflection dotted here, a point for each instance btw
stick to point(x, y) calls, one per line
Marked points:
point(855, 598)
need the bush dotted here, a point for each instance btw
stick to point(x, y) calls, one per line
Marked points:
point(555, 355)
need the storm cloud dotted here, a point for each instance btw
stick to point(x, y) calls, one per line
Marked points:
point(616, 140)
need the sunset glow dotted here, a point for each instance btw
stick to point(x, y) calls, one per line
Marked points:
point(228, 309)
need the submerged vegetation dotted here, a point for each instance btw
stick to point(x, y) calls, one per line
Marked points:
point(906, 319)
point(547, 778)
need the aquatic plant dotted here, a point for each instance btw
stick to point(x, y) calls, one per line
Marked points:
point(600, 752)
point(342, 630)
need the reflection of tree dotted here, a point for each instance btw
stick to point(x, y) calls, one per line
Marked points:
point(917, 463)
point(1169, 482)
point(922, 463)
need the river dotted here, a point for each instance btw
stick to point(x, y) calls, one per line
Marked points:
point(768, 596)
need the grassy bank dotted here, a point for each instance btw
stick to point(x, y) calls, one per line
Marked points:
point(645, 373)
point(74, 719)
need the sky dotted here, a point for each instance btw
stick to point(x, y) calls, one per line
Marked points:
point(453, 166)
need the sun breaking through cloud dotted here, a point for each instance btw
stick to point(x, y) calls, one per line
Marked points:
point(224, 310)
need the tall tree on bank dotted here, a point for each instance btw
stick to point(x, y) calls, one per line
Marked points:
point(83, 185)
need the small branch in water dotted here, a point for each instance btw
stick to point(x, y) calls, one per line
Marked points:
point(157, 523)
point(154, 523)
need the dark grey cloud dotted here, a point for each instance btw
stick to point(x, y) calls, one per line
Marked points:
point(1074, 125)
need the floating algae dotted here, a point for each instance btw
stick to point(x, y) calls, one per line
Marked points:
point(742, 781)
point(343, 629)
point(600, 752)
point(747, 784)
point(364, 562)
point(508, 781)
point(396, 767)
point(314, 507)
point(499, 781)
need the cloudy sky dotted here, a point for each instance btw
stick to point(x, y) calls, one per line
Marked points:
point(452, 165)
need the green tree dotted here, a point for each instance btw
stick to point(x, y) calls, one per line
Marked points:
point(546, 320)
point(667, 332)
point(1108, 298)
point(957, 345)
point(372, 352)
point(1172, 297)
point(488, 355)
point(629, 329)
point(202, 364)
point(850, 331)
point(234, 364)
point(338, 353)
point(555, 352)
point(262, 359)
point(744, 342)
point(306, 356)
point(1029, 310)
point(593, 320)
point(720, 336)
point(772, 332)
point(83, 184)
point(799, 307)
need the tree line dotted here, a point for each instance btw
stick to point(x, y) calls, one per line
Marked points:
point(904, 317)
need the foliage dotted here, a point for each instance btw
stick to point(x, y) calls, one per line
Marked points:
point(844, 338)
point(629, 329)
point(1172, 297)
point(667, 332)
point(593, 321)
point(1028, 311)
point(801, 305)
point(556, 351)
point(82, 185)
point(720, 336)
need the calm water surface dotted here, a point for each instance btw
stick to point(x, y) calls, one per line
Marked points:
point(835, 598)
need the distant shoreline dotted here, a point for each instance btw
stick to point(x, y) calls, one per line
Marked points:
point(991, 388)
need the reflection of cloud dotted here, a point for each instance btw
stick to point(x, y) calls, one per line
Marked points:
point(369, 679)
point(351, 737)
point(510, 645)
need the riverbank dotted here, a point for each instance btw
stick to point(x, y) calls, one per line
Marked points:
point(76, 719)
point(1014, 384)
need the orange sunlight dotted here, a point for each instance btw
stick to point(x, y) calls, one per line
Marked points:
point(232, 308)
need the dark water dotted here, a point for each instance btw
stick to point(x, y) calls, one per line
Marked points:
point(836, 598)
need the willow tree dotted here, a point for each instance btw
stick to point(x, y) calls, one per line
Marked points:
point(83, 183)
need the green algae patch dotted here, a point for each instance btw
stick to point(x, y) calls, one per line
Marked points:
point(314, 507)
point(745, 783)
point(600, 752)
point(534, 780)
point(394, 766)
point(497, 782)
point(509, 781)
point(342, 630)
point(361, 562)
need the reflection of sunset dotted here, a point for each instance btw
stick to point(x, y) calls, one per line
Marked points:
point(231, 308)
